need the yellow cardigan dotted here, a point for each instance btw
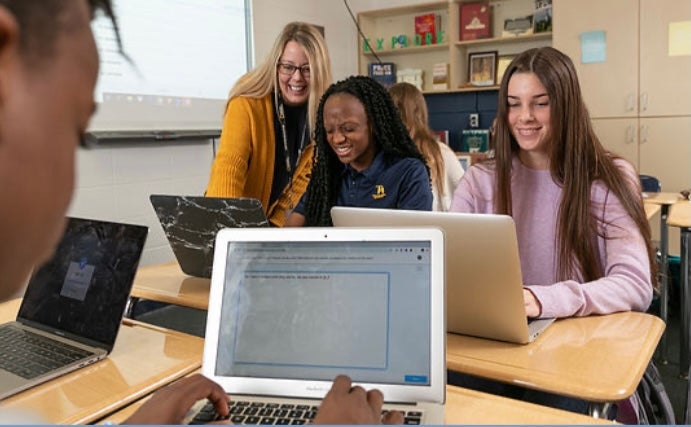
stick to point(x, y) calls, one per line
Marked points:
point(244, 164)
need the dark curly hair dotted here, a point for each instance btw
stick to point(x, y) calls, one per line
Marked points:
point(389, 134)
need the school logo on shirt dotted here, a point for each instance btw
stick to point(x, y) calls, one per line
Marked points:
point(379, 192)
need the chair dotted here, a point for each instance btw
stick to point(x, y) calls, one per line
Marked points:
point(650, 184)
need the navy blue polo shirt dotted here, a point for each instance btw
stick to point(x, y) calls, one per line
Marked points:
point(389, 183)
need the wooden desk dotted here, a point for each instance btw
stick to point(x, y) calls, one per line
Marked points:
point(167, 283)
point(144, 359)
point(664, 201)
point(597, 358)
point(680, 216)
point(465, 406)
point(651, 210)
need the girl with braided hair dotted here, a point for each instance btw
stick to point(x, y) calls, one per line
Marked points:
point(364, 156)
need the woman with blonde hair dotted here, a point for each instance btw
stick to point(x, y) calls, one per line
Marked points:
point(265, 149)
point(445, 169)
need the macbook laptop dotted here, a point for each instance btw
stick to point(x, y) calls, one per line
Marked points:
point(291, 309)
point(73, 304)
point(190, 224)
point(484, 285)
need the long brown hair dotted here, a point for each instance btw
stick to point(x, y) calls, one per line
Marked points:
point(263, 79)
point(577, 160)
point(413, 108)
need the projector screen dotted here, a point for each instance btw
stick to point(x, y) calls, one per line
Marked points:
point(185, 56)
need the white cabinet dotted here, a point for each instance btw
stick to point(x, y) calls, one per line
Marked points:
point(640, 96)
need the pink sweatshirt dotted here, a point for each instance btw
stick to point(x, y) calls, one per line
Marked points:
point(626, 284)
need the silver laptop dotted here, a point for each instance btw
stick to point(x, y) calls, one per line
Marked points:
point(190, 224)
point(291, 309)
point(484, 286)
point(73, 304)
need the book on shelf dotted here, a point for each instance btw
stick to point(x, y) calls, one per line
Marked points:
point(475, 140)
point(426, 28)
point(440, 76)
point(475, 21)
point(542, 18)
point(442, 136)
point(383, 72)
point(410, 75)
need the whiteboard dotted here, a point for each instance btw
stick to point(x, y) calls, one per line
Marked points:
point(185, 56)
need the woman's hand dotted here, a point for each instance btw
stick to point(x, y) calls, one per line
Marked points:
point(532, 305)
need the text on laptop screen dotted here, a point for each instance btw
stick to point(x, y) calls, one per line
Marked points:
point(313, 310)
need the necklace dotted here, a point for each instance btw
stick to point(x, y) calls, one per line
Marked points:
point(289, 167)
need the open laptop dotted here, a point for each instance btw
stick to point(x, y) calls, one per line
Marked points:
point(73, 304)
point(484, 285)
point(291, 309)
point(190, 224)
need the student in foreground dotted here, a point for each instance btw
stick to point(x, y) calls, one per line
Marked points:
point(265, 149)
point(364, 156)
point(583, 237)
point(445, 169)
point(48, 70)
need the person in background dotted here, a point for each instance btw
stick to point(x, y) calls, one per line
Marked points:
point(445, 169)
point(48, 73)
point(265, 147)
point(584, 240)
point(364, 156)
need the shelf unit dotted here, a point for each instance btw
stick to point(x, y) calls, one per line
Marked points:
point(384, 24)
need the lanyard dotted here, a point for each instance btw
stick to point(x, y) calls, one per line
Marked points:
point(286, 152)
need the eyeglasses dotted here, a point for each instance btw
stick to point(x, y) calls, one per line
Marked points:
point(289, 69)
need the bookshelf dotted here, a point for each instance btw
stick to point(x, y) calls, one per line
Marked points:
point(381, 25)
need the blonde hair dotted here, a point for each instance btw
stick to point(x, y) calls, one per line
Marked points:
point(263, 79)
point(413, 108)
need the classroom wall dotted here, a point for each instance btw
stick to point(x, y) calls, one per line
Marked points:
point(115, 181)
point(271, 15)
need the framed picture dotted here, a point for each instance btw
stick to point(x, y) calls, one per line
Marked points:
point(482, 68)
point(465, 161)
point(502, 63)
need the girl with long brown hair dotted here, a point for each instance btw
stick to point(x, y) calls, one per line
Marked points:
point(445, 169)
point(583, 236)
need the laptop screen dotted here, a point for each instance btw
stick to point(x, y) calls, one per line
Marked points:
point(83, 289)
point(312, 310)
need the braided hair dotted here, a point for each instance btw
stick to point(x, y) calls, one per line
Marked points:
point(389, 134)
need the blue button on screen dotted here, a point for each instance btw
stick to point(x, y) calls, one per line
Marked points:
point(416, 379)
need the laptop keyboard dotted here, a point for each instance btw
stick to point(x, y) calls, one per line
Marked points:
point(30, 355)
point(243, 412)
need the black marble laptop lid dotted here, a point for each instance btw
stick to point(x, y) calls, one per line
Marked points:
point(190, 224)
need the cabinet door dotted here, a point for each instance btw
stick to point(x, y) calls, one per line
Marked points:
point(619, 136)
point(665, 88)
point(665, 151)
point(610, 88)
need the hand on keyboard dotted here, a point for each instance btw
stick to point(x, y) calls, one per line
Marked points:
point(344, 404)
point(170, 404)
